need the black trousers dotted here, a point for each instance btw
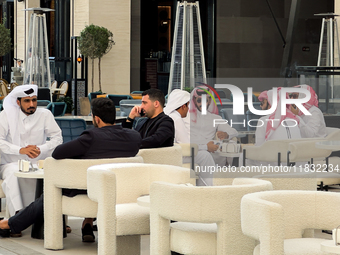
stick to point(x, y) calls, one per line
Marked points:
point(27, 216)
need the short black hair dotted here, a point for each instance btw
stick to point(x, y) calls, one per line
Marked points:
point(155, 95)
point(105, 109)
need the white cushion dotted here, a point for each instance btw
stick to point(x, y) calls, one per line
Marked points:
point(80, 206)
point(300, 246)
point(193, 238)
point(132, 219)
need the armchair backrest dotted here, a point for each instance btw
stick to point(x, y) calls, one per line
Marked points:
point(274, 215)
point(306, 150)
point(208, 204)
point(166, 155)
point(72, 173)
point(134, 179)
point(71, 128)
point(64, 88)
point(269, 150)
point(332, 133)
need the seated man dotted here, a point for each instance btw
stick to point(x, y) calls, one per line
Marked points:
point(311, 126)
point(203, 128)
point(157, 130)
point(177, 108)
point(106, 140)
point(26, 132)
point(283, 128)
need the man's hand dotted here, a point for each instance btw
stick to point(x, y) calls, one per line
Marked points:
point(212, 147)
point(222, 135)
point(294, 110)
point(135, 112)
point(31, 151)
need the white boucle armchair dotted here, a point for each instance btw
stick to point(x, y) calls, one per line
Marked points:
point(208, 218)
point(166, 155)
point(70, 174)
point(115, 188)
point(277, 219)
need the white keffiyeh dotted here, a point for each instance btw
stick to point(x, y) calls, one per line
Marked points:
point(12, 109)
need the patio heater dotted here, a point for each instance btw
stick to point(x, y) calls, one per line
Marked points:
point(187, 61)
point(329, 52)
point(329, 40)
point(37, 69)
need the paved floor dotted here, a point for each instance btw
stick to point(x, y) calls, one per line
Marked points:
point(26, 245)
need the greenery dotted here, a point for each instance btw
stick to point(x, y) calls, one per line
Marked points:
point(69, 103)
point(5, 39)
point(94, 42)
point(189, 89)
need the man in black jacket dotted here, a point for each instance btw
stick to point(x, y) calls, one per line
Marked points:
point(157, 130)
point(106, 140)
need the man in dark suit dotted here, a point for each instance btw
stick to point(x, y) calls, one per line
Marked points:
point(157, 130)
point(106, 140)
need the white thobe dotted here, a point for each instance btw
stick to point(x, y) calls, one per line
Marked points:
point(203, 131)
point(203, 158)
point(281, 133)
point(313, 125)
point(34, 130)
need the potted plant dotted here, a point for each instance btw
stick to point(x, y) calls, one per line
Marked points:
point(5, 39)
point(94, 42)
point(69, 103)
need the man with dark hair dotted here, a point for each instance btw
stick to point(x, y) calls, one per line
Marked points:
point(157, 130)
point(26, 133)
point(106, 140)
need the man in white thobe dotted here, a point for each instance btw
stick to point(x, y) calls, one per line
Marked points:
point(313, 125)
point(177, 108)
point(25, 133)
point(268, 129)
point(202, 128)
point(274, 126)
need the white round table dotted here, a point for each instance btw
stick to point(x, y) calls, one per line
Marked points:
point(37, 231)
point(329, 246)
point(228, 154)
point(144, 201)
point(328, 145)
point(39, 174)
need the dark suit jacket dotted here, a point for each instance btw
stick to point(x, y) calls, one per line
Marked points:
point(156, 132)
point(96, 143)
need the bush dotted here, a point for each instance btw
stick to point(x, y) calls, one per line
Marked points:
point(69, 103)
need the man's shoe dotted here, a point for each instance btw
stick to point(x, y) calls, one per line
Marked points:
point(4, 232)
point(87, 233)
point(16, 234)
point(68, 229)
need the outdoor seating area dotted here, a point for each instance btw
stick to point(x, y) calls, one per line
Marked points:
point(169, 127)
point(158, 208)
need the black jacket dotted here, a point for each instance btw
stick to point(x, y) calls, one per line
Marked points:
point(156, 132)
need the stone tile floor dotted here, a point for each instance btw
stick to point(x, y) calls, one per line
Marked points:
point(26, 245)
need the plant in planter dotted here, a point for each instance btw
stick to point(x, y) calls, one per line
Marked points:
point(94, 42)
point(5, 39)
point(69, 103)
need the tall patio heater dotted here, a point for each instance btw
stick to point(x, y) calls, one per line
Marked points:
point(37, 69)
point(329, 50)
point(187, 61)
